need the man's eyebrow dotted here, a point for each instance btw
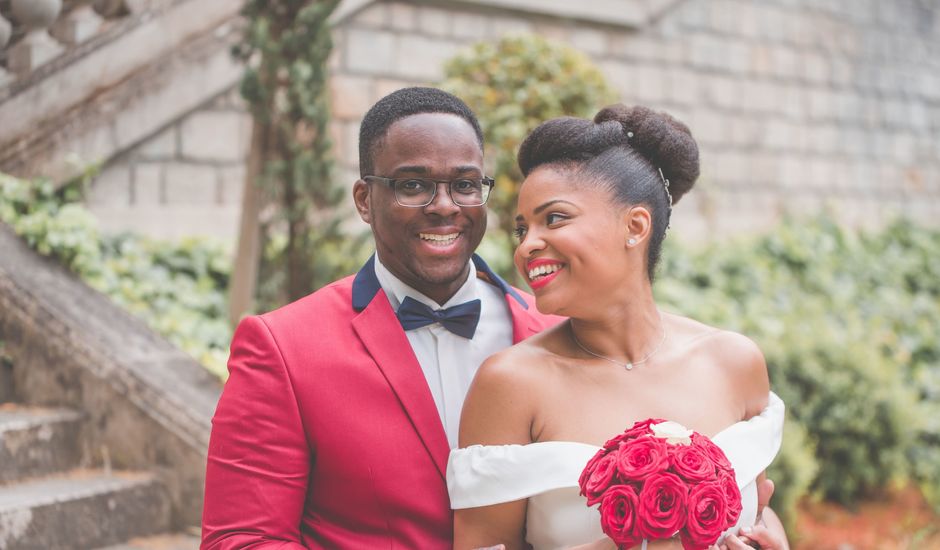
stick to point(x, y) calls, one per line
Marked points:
point(411, 170)
point(542, 207)
point(418, 169)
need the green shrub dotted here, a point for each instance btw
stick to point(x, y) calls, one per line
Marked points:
point(793, 472)
point(847, 323)
point(177, 288)
point(513, 85)
point(51, 222)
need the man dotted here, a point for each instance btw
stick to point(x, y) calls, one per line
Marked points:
point(335, 425)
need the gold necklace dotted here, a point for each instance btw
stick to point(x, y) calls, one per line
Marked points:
point(629, 364)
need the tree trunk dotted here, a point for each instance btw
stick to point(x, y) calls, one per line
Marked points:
point(244, 279)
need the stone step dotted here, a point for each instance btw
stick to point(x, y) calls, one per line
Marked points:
point(82, 509)
point(37, 442)
point(175, 541)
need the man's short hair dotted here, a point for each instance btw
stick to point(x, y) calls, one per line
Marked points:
point(403, 103)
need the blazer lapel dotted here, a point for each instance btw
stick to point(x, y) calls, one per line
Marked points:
point(382, 335)
point(523, 323)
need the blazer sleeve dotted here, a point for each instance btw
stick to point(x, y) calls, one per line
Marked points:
point(259, 458)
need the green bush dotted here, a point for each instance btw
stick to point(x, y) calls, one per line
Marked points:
point(177, 288)
point(847, 323)
point(793, 471)
point(513, 85)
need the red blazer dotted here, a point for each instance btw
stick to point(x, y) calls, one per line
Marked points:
point(326, 434)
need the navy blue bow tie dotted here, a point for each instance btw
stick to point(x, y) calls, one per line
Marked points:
point(461, 319)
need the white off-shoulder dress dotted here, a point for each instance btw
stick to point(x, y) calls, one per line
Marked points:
point(547, 474)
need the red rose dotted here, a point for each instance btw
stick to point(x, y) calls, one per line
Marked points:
point(714, 451)
point(640, 458)
point(732, 497)
point(691, 462)
point(600, 479)
point(641, 428)
point(589, 469)
point(662, 506)
point(707, 516)
point(613, 443)
point(618, 515)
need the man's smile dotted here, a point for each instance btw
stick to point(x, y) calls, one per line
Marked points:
point(438, 239)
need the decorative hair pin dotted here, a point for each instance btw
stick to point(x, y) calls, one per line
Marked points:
point(665, 182)
point(666, 186)
point(668, 195)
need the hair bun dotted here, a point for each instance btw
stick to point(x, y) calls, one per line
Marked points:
point(666, 142)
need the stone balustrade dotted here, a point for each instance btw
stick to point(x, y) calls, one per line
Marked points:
point(34, 32)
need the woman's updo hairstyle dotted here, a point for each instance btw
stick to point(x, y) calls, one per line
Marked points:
point(623, 149)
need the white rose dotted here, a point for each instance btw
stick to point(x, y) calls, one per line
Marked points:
point(672, 432)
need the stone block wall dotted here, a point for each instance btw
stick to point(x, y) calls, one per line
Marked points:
point(797, 105)
point(185, 180)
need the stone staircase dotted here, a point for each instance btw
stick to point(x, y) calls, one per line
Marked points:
point(94, 79)
point(52, 499)
point(104, 425)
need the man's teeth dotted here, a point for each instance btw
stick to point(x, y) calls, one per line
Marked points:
point(543, 270)
point(439, 239)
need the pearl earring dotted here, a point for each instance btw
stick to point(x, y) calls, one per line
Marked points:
point(631, 241)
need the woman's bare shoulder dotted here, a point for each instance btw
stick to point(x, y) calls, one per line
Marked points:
point(503, 396)
point(734, 356)
point(522, 360)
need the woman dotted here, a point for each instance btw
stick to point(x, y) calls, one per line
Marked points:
point(593, 212)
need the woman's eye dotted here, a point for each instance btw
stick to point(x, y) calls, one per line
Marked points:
point(554, 218)
point(519, 233)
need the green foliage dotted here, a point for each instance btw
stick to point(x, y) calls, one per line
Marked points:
point(285, 47)
point(793, 471)
point(50, 222)
point(176, 288)
point(337, 256)
point(514, 85)
point(847, 323)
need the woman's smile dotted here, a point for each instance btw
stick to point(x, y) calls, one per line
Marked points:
point(542, 271)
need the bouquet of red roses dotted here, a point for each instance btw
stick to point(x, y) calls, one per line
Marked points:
point(659, 478)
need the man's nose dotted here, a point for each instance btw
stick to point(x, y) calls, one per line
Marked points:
point(442, 204)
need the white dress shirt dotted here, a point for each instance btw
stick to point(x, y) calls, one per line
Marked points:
point(449, 361)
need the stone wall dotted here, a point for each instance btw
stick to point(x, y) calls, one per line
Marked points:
point(797, 105)
point(185, 180)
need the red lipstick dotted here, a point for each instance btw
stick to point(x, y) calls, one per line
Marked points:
point(542, 280)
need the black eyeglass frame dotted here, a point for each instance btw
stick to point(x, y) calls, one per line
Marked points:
point(390, 182)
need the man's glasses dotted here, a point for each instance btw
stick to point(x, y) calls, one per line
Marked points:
point(419, 192)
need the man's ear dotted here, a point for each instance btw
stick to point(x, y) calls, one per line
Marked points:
point(361, 195)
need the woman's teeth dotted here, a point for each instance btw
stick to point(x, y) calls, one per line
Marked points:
point(439, 239)
point(543, 270)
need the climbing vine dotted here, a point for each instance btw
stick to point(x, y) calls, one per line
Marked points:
point(285, 46)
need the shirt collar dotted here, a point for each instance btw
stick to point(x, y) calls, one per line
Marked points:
point(366, 284)
point(396, 290)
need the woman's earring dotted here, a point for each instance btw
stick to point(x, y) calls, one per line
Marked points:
point(631, 241)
